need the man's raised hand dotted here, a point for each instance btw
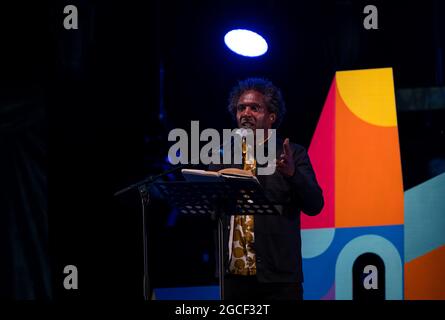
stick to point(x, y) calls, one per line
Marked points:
point(285, 163)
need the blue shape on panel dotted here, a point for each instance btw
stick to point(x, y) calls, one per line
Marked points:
point(310, 248)
point(318, 280)
point(319, 274)
point(385, 250)
point(393, 234)
point(319, 271)
point(424, 217)
point(188, 293)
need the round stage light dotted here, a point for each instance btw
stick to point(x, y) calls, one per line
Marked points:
point(246, 43)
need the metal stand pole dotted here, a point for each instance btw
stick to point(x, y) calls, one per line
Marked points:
point(221, 257)
point(145, 197)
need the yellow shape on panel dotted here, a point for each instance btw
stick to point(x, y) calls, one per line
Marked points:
point(369, 94)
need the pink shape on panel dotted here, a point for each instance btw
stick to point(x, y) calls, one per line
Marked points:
point(330, 295)
point(322, 155)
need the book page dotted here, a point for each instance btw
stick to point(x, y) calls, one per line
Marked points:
point(236, 172)
point(212, 176)
point(201, 175)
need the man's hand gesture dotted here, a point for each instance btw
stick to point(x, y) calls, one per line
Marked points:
point(285, 164)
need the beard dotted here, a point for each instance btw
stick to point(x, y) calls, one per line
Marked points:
point(248, 124)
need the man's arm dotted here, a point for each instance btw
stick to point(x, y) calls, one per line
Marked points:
point(304, 183)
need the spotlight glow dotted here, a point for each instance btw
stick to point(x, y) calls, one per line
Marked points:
point(246, 43)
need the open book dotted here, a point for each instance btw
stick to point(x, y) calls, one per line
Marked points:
point(221, 175)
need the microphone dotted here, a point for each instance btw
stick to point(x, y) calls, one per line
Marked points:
point(240, 132)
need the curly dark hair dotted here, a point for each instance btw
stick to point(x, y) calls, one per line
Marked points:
point(273, 96)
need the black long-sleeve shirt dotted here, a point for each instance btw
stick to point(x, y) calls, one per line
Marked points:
point(278, 238)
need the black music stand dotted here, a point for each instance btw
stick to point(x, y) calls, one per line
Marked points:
point(232, 196)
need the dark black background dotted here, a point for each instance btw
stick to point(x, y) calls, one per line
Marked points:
point(107, 94)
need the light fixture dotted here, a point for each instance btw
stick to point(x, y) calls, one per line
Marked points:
point(246, 43)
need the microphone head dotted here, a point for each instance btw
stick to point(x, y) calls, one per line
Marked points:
point(242, 132)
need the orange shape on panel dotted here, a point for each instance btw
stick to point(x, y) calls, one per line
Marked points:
point(368, 175)
point(425, 277)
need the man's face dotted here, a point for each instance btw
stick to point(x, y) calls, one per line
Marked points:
point(252, 112)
